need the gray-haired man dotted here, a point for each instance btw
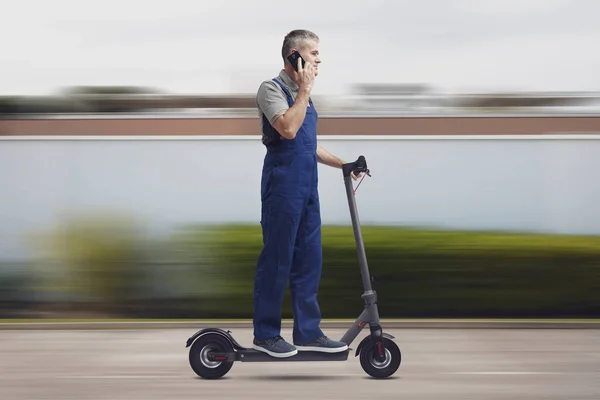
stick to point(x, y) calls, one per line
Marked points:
point(290, 215)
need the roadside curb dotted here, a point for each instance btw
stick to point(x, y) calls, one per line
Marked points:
point(226, 324)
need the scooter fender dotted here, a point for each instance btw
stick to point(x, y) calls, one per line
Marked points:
point(367, 339)
point(217, 331)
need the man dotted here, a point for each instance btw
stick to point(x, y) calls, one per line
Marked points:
point(290, 215)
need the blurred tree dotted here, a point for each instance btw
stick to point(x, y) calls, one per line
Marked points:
point(96, 258)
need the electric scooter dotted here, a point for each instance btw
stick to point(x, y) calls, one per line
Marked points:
point(214, 350)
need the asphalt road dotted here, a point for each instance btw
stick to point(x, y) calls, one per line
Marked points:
point(441, 364)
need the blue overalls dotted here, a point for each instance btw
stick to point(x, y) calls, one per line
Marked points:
point(291, 223)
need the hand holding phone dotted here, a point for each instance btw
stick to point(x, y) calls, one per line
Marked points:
point(305, 72)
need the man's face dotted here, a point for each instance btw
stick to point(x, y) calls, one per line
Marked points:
point(310, 53)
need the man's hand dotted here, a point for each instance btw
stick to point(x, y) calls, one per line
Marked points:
point(325, 157)
point(305, 76)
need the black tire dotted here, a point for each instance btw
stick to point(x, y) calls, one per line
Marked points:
point(378, 370)
point(201, 365)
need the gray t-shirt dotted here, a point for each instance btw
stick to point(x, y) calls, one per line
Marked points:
point(271, 100)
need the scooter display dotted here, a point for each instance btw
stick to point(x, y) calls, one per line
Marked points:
point(213, 351)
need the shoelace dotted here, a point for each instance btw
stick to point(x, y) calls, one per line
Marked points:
point(274, 340)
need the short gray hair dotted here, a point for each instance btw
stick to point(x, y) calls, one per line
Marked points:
point(295, 40)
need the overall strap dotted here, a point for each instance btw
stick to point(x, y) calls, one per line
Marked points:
point(290, 100)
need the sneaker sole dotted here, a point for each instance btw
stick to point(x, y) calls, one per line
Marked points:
point(322, 349)
point(273, 354)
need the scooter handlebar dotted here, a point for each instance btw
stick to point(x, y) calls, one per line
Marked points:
point(356, 167)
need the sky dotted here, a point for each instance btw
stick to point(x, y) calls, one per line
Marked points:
point(210, 47)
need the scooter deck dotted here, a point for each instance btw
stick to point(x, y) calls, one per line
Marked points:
point(251, 355)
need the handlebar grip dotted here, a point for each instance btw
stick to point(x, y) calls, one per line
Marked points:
point(356, 167)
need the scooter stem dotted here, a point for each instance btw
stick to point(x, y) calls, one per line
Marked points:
point(348, 169)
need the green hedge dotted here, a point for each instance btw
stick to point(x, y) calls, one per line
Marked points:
point(424, 273)
point(108, 265)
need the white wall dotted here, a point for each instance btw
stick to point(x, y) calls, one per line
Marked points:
point(506, 183)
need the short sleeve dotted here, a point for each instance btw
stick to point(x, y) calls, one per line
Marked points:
point(271, 100)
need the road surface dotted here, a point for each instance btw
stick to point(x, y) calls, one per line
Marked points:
point(437, 364)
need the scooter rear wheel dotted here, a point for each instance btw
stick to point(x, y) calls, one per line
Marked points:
point(199, 361)
point(378, 369)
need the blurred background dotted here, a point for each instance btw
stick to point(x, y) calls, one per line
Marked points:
point(130, 155)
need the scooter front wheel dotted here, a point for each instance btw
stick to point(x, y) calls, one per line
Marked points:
point(202, 365)
point(381, 369)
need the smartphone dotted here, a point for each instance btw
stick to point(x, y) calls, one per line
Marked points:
point(293, 58)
